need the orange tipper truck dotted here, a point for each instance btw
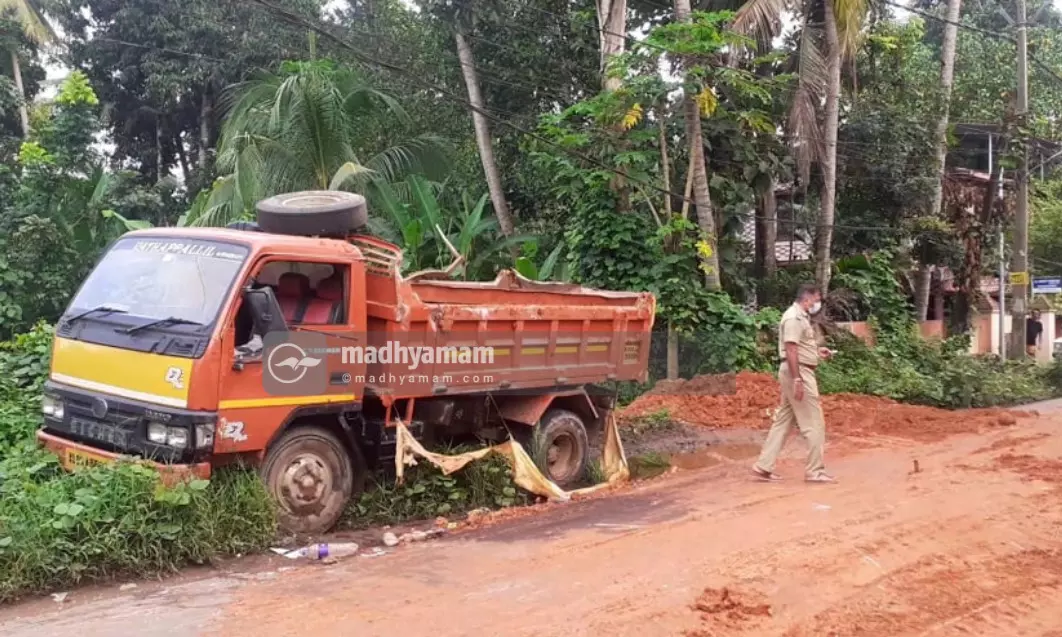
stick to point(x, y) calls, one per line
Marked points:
point(294, 345)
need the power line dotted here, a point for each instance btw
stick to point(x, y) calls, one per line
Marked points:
point(969, 27)
point(962, 25)
point(494, 78)
point(158, 48)
point(405, 72)
point(365, 59)
point(843, 155)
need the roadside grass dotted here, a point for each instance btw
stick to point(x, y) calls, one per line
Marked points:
point(910, 369)
point(60, 529)
point(649, 465)
point(655, 422)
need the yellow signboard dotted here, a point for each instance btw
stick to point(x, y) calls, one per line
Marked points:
point(1019, 278)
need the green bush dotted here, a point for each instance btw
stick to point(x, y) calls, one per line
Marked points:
point(906, 367)
point(23, 369)
point(58, 529)
point(426, 493)
point(913, 370)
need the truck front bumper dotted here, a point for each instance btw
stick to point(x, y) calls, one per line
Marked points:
point(73, 455)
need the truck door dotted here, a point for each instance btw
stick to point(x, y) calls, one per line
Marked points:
point(262, 389)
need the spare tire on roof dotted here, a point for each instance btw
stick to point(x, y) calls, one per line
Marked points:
point(313, 213)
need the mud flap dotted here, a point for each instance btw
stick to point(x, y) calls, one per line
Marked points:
point(525, 473)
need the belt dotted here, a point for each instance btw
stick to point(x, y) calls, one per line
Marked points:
point(805, 365)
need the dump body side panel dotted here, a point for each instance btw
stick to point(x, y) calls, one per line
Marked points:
point(504, 335)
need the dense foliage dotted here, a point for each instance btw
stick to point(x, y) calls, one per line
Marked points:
point(187, 113)
point(907, 367)
point(206, 107)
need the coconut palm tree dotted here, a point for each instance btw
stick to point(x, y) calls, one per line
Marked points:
point(35, 27)
point(300, 129)
point(823, 47)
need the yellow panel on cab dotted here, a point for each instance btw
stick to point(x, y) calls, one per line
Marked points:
point(143, 376)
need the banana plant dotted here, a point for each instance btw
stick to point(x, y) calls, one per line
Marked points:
point(415, 220)
point(552, 267)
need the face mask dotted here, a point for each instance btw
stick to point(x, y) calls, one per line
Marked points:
point(816, 307)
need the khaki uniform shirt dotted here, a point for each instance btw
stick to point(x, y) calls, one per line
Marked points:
point(796, 328)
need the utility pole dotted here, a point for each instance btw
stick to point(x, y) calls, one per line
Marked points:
point(1002, 327)
point(1020, 265)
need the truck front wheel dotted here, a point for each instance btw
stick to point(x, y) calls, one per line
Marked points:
point(311, 477)
point(560, 447)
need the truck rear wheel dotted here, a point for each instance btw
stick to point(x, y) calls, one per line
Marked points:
point(311, 476)
point(560, 447)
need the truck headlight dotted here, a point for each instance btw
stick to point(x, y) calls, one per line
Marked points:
point(204, 436)
point(52, 407)
point(156, 433)
point(177, 437)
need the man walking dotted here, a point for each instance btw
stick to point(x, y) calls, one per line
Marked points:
point(1033, 329)
point(800, 353)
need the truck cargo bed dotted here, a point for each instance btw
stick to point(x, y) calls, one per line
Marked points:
point(538, 335)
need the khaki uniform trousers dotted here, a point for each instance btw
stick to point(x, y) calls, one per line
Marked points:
point(806, 414)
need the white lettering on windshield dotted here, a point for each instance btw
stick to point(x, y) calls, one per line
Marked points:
point(189, 249)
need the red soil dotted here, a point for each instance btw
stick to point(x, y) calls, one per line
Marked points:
point(754, 397)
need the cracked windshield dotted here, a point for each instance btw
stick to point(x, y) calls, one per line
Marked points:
point(162, 279)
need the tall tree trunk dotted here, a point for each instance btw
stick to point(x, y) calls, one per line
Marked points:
point(938, 295)
point(824, 236)
point(158, 150)
point(923, 290)
point(23, 110)
point(612, 24)
point(483, 141)
point(947, 77)
point(206, 112)
point(940, 141)
point(972, 223)
point(702, 197)
point(672, 351)
point(665, 163)
point(182, 157)
point(766, 225)
point(665, 171)
point(612, 27)
point(770, 228)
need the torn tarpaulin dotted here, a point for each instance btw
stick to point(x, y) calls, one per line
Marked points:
point(525, 473)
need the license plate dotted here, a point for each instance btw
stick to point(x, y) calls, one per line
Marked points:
point(76, 459)
point(100, 431)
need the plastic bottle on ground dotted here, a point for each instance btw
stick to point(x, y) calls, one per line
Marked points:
point(322, 551)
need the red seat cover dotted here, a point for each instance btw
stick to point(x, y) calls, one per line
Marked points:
point(293, 292)
point(326, 307)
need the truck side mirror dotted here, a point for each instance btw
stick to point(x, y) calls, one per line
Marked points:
point(265, 311)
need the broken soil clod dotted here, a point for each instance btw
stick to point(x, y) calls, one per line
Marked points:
point(727, 608)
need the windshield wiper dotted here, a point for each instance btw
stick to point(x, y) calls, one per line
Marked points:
point(110, 309)
point(170, 320)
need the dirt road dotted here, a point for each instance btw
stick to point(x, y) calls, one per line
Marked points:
point(971, 544)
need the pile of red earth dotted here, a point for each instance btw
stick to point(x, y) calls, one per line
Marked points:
point(748, 400)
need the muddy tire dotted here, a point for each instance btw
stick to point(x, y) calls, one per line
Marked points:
point(560, 448)
point(311, 476)
point(313, 213)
